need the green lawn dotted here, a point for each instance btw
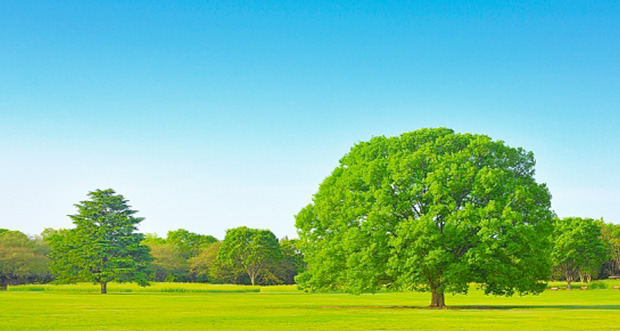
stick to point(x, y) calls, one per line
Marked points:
point(172, 306)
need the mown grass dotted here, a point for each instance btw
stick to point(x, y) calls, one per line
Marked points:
point(201, 307)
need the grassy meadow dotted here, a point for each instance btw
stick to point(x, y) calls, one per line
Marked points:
point(178, 306)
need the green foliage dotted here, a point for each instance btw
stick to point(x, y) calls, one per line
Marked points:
point(171, 256)
point(104, 245)
point(578, 248)
point(292, 262)
point(429, 210)
point(22, 259)
point(250, 251)
point(168, 263)
point(187, 243)
point(205, 266)
point(611, 238)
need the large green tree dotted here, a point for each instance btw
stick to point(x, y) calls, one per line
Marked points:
point(429, 210)
point(104, 245)
point(578, 248)
point(250, 251)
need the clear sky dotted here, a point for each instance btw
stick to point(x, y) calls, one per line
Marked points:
point(209, 115)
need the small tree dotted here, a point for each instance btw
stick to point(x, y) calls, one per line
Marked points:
point(578, 249)
point(104, 245)
point(251, 251)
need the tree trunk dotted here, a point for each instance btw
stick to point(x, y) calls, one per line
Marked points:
point(252, 278)
point(3, 286)
point(438, 300)
point(569, 278)
point(104, 288)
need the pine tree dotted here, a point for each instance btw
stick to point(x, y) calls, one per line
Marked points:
point(104, 245)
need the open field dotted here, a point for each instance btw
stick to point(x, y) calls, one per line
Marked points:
point(173, 306)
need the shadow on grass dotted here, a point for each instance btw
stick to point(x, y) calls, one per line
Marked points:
point(483, 307)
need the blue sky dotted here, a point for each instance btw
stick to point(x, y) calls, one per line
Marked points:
point(211, 115)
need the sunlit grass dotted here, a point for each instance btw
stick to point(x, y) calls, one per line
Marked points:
point(153, 287)
point(132, 287)
point(235, 307)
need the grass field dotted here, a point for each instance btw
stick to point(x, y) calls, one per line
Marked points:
point(175, 306)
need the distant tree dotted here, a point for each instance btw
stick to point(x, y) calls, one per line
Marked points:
point(611, 238)
point(204, 265)
point(189, 244)
point(250, 251)
point(21, 260)
point(104, 246)
point(153, 238)
point(578, 249)
point(168, 264)
point(430, 210)
point(171, 255)
point(292, 261)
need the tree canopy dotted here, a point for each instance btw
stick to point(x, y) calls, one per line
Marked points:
point(292, 261)
point(204, 266)
point(611, 236)
point(104, 245)
point(22, 260)
point(171, 255)
point(578, 248)
point(429, 210)
point(252, 251)
point(168, 264)
point(187, 243)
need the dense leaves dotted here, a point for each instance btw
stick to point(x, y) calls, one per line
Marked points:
point(292, 261)
point(189, 257)
point(22, 260)
point(429, 210)
point(610, 234)
point(578, 248)
point(251, 251)
point(172, 254)
point(205, 266)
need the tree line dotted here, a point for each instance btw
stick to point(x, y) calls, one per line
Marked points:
point(430, 210)
point(245, 256)
point(584, 249)
point(104, 246)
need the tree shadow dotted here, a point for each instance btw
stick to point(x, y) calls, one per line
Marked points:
point(509, 307)
point(484, 307)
